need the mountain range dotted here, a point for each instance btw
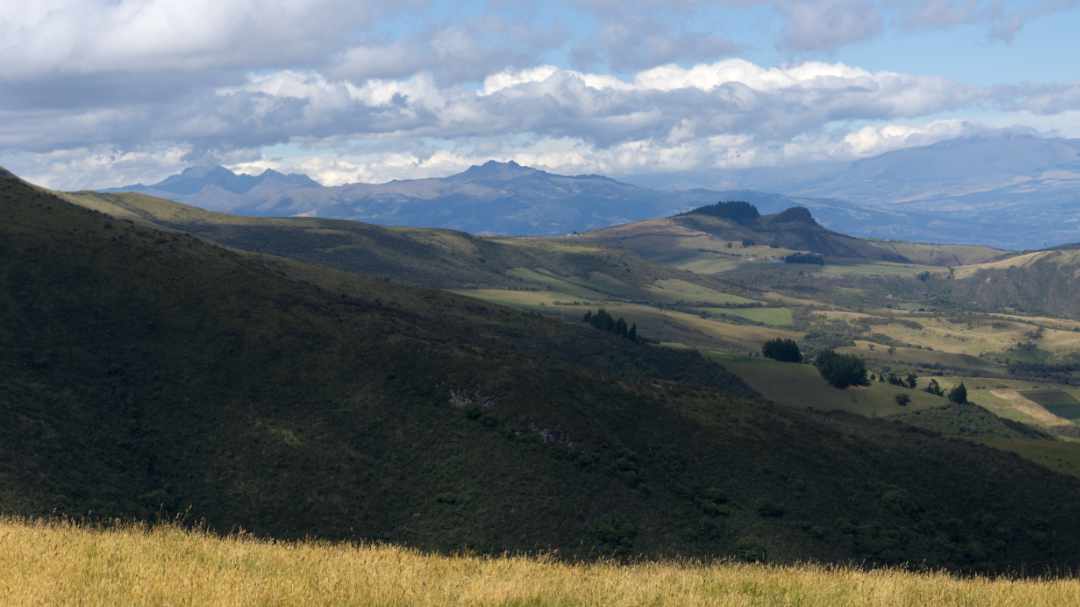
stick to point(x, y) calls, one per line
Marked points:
point(1006, 190)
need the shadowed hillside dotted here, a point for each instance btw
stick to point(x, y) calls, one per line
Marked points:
point(150, 372)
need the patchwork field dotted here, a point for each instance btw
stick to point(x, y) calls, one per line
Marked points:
point(776, 317)
point(880, 269)
point(1058, 402)
point(681, 291)
point(800, 385)
point(61, 564)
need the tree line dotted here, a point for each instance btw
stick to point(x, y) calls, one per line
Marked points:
point(845, 370)
point(604, 321)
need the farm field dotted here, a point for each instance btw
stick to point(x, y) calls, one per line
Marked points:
point(800, 385)
point(775, 317)
point(62, 564)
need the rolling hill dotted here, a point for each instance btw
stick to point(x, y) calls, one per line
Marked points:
point(1038, 282)
point(148, 372)
point(729, 230)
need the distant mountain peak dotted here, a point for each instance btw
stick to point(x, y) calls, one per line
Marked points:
point(795, 215)
point(206, 170)
point(495, 170)
point(737, 211)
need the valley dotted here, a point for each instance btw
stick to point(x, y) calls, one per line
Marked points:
point(715, 280)
point(519, 304)
point(355, 360)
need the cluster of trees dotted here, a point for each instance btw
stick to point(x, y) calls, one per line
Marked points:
point(935, 388)
point(783, 350)
point(908, 381)
point(606, 322)
point(809, 258)
point(841, 370)
point(957, 394)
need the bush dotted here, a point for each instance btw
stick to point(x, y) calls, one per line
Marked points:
point(809, 258)
point(958, 394)
point(903, 400)
point(783, 350)
point(841, 370)
point(935, 388)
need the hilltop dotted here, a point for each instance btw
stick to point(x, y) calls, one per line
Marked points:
point(736, 229)
point(150, 372)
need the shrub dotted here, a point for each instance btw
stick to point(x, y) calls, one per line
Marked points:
point(958, 394)
point(809, 258)
point(783, 350)
point(903, 400)
point(841, 370)
point(935, 388)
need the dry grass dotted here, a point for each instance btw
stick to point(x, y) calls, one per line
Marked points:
point(60, 564)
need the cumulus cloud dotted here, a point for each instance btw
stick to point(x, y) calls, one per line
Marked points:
point(94, 90)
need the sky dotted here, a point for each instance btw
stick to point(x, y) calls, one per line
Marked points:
point(99, 93)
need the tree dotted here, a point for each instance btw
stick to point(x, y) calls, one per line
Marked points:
point(783, 350)
point(620, 327)
point(912, 381)
point(935, 388)
point(606, 322)
point(958, 394)
point(841, 370)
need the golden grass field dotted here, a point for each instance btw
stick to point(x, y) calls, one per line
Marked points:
point(62, 564)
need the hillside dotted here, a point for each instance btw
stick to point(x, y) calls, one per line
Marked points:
point(148, 372)
point(124, 567)
point(737, 230)
point(417, 256)
point(1039, 282)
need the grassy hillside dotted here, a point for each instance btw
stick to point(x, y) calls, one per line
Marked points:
point(62, 564)
point(1042, 282)
point(149, 373)
point(800, 385)
point(424, 257)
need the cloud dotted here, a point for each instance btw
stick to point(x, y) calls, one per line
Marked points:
point(728, 113)
point(451, 53)
point(1005, 19)
point(92, 36)
point(374, 89)
point(816, 25)
point(637, 43)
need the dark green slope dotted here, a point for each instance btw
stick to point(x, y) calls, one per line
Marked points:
point(146, 371)
point(420, 257)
